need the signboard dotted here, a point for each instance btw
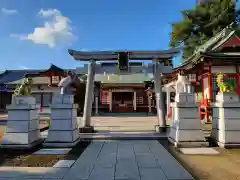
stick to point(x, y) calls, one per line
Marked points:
point(123, 61)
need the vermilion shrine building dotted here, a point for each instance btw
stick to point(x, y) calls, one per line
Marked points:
point(220, 54)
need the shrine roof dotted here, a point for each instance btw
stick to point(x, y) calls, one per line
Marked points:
point(16, 76)
point(106, 79)
point(13, 75)
point(213, 45)
point(222, 54)
point(122, 79)
point(54, 68)
point(41, 80)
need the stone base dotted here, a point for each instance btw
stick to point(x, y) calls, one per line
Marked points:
point(188, 144)
point(228, 145)
point(162, 129)
point(227, 137)
point(86, 129)
point(22, 146)
point(61, 144)
point(224, 144)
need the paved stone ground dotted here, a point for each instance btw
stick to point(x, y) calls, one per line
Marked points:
point(110, 160)
point(124, 123)
point(123, 160)
point(123, 127)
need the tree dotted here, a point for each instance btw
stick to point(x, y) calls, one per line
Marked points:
point(202, 23)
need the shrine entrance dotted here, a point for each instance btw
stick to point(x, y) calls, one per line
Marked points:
point(161, 63)
point(123, 102)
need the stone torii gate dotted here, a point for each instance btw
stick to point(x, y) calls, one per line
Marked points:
point(161, 63)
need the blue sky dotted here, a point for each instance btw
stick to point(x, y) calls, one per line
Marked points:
point(35, 33)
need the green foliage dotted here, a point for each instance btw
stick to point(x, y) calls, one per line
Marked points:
point(202, 23)
point(24, 89)
point(48, 122)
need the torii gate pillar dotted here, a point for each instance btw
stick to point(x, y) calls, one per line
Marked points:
point(87, 112)
point(161, 127)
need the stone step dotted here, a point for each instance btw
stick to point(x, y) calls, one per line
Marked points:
point(123, 136)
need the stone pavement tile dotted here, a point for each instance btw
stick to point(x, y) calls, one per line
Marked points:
point(102, 173)
point(106, 161)
point(53, 151)
point(140, 148)
point(152, 174)
point(84, 165)
point(108, 155)
point(127, 169)
point(171, 167)
point(64, 164)
point(199, 151)
point(125, 150)
point(144, 161)
point(34, 173)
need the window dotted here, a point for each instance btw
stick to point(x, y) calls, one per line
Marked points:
point(192, 77)
point(139, 99)
point(105, 98)
point(55, 79)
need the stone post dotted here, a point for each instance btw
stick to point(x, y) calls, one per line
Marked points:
point(110, 100)
point(186, 129)
point(225, 123)
point(22, 129)
point(135, 100)
point(149, 104)
point(161, 127)
point(63, 130)
point(96, 105)
point(189, 88)
point(168, 101)
point(87, 112)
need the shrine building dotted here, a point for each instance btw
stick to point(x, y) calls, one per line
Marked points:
point(219, 54)
point(113, 93)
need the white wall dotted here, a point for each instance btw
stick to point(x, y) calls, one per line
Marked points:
point(224, 69)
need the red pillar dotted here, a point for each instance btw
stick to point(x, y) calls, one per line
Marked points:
point(210, 92)
point(238, 83)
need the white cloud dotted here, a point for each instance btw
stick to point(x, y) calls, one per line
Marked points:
point(9, 11)
point(56, 29)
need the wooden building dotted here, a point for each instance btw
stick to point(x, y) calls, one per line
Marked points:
point(113, 93)
point(220, 54)
point(125, 93)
